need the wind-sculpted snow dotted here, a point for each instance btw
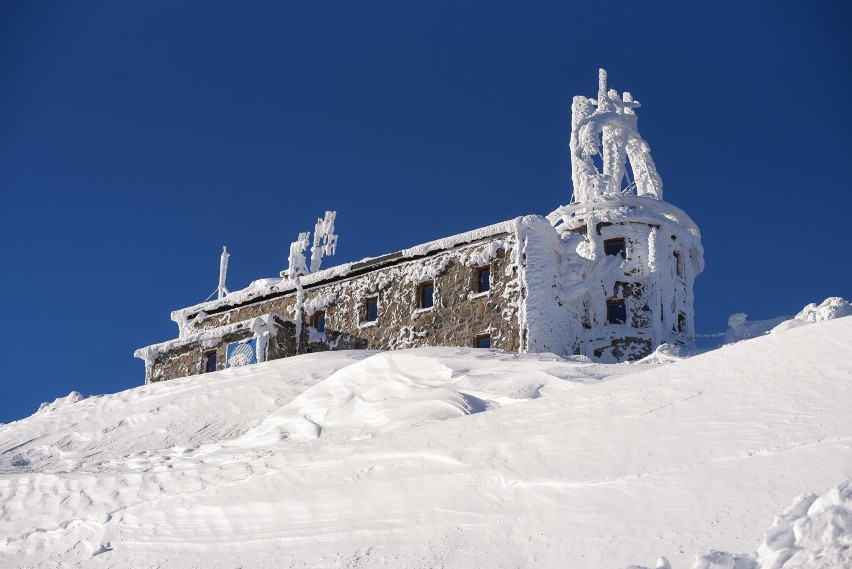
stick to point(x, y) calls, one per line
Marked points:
point(829, 309)
point(814, 532)
point(435, 458)
point(740, 328)
point(406, 388)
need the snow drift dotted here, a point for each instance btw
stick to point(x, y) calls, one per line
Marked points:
point(740, 328)
point(440, 458)
point(814, 532)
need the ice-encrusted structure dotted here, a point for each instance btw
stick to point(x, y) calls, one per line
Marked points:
point(618, 241)
point(297, 264)
point(325, 240)
point(605, 130)
point(609, 275)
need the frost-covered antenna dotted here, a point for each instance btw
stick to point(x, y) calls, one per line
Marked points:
point(605, 129)
point(325, 240)
point(298, 265)
point(603, 100)
point(223, 272)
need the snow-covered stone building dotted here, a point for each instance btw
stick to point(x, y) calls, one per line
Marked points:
point(609, 275)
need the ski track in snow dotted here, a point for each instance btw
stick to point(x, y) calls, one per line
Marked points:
point(433, 458)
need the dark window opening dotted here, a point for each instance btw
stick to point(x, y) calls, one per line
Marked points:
point(678, 263)
point(426, 294)
point(483, 341)
point(318, 321)
point(616, 312)
point(483, 279)
point(371, 309)
point(209, 362)
point(615, 248)
point(681, 322)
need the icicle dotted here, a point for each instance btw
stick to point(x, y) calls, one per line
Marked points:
point(223, 273)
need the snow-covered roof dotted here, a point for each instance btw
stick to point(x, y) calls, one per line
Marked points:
point(211, 336)
point(623, 208)
point(262, 289)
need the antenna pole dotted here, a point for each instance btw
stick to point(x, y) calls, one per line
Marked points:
point(223, 273)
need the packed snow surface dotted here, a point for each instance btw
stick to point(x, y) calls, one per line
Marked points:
point(814, 532)
point(446, 457)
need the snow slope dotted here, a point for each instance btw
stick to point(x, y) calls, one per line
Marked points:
point(434, 458)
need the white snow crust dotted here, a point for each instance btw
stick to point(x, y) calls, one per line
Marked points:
point(444, 457)
point(60, 402)
point(740, 328)
point(814, 532)
point(828, 309)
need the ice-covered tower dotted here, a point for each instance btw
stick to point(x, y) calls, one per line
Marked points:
point(642, 251)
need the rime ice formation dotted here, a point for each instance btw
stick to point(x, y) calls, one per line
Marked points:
point(222, 290)
point(297, 265)
point(324, 243)
point(605, 129)
point(325, 240)
point(662, 252)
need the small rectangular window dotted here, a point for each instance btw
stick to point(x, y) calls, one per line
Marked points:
point(371, 309)
point(318, 320)
point(615, 248)
point(483, 279)
point(210, 361)
point(678, 263)
point(681, 322)
point(426, 294)
point(483, 341)
point(616, 312)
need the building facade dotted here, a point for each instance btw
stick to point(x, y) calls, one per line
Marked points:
point(609, 275)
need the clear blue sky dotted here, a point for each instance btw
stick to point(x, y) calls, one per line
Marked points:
point(136, 138)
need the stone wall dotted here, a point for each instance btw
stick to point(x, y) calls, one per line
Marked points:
point(458, 316)
point(459, 313)
point(189, 358)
